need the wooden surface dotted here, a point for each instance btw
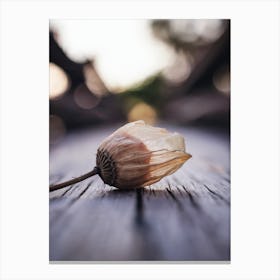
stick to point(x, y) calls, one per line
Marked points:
point(184, 217)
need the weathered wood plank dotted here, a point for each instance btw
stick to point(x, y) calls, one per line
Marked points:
point(184, 217)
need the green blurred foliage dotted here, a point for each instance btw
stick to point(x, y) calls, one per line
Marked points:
point(149, 91)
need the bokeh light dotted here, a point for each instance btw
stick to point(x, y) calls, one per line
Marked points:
point(58, 80)
point(180, 69)
point(221, 80)
point(93, 81)
point(84, 98)
point(197, 31)
point(143, 111)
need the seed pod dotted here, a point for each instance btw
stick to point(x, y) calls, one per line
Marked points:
point(138, 155)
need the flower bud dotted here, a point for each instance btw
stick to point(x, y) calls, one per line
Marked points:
point(138, 155)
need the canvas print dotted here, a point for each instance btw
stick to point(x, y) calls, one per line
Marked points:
point(139, 137)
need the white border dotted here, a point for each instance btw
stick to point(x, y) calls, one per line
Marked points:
point(255, 138)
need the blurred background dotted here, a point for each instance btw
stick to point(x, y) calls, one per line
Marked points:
point(114, 71)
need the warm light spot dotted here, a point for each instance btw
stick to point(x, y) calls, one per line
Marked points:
point(180, 70)
point(58, 81)
point(57, 129)
point(197, 30)
point(84, 98)
point(93, 81)
point(142, 111)
point(221, 80)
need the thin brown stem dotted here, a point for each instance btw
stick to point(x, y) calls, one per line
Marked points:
point(75, 180)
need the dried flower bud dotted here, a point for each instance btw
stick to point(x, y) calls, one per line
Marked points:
point(137, 155)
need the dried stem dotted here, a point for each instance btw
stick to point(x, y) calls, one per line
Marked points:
point(95, 171)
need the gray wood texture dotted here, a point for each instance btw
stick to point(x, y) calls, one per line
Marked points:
point(184, 217)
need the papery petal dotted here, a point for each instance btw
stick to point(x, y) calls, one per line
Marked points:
point(155, 138)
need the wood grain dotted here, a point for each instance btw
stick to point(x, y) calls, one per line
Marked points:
point(184, 217)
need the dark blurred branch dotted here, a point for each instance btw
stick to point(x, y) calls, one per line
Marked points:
point(196, 99)
point(210, 59)
point(83, 77)
point(58, 56)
